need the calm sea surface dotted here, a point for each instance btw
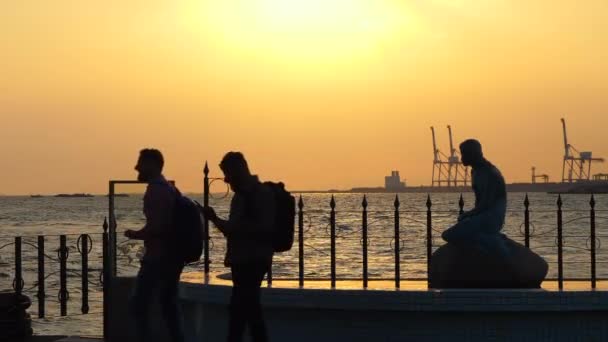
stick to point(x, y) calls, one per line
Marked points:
point(50, 216)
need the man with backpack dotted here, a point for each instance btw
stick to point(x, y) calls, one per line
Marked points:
point(252, 238)
point(161, 266)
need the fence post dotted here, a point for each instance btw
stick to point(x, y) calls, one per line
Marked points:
point(18, 281)
point(560, 265)
point(364, 241)
point(301, 241)
point(592, 218)
point(461, 205)
point(429, 236)
point(113, 243)
point(527, 222)
point(269, 276)
point(206, 220)
point(41, 295)
point(84, 253)
point(332, 223)
point(63, 275)
point(106, 274)
point(397, 245)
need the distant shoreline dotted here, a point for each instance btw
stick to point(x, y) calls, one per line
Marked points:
point(591, 187)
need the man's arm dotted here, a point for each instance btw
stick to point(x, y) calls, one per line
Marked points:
point(158, 208)
point(263, 221)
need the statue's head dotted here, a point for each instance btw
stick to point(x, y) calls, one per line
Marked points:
point(471, 152)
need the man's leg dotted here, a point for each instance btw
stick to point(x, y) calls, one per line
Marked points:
point(255, 314)
point(237, 308)
point(145, 284)
point(169, 302)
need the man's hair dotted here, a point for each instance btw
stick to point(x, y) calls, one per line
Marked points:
point(152, 155)
point(472, 145)
point(234, 160)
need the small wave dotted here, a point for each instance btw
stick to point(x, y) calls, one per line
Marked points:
point(344, 227)
point(68, 224)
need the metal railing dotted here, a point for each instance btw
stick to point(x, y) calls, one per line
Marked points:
point(298, 258)
point(83, 244)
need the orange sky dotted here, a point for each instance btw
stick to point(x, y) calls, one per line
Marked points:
point(320, 94)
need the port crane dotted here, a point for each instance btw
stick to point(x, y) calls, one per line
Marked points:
point(577, 165)
point(544, 177)
point(447, 170)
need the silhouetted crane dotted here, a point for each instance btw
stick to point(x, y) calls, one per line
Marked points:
point(447, 170)
point(574, 162)
point(440, 173)
point(457, 172)
point(544, 177)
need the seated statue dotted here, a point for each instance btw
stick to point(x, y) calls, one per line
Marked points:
point(477, 254)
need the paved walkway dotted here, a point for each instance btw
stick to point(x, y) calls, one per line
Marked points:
point(63, 339)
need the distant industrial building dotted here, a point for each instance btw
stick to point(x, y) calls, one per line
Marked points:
point(394, 182)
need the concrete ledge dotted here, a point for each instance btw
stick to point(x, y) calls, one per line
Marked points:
point(304, 315)
point(507, 300)
point(322, 314)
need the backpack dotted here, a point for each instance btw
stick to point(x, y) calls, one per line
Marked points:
point(187, 235)
point(282, 238)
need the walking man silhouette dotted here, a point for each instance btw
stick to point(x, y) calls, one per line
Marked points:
point(249, 254)
point(160, 268)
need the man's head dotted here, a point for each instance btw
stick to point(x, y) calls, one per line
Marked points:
point(149, 165)
point(236, 171)
point(471, 153)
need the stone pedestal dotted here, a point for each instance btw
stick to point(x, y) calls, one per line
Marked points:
point(457, 267)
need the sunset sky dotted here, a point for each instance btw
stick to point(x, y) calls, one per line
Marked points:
point(317, 93)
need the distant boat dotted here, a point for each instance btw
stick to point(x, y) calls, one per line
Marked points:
point(73, 195)
point(36, 196)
